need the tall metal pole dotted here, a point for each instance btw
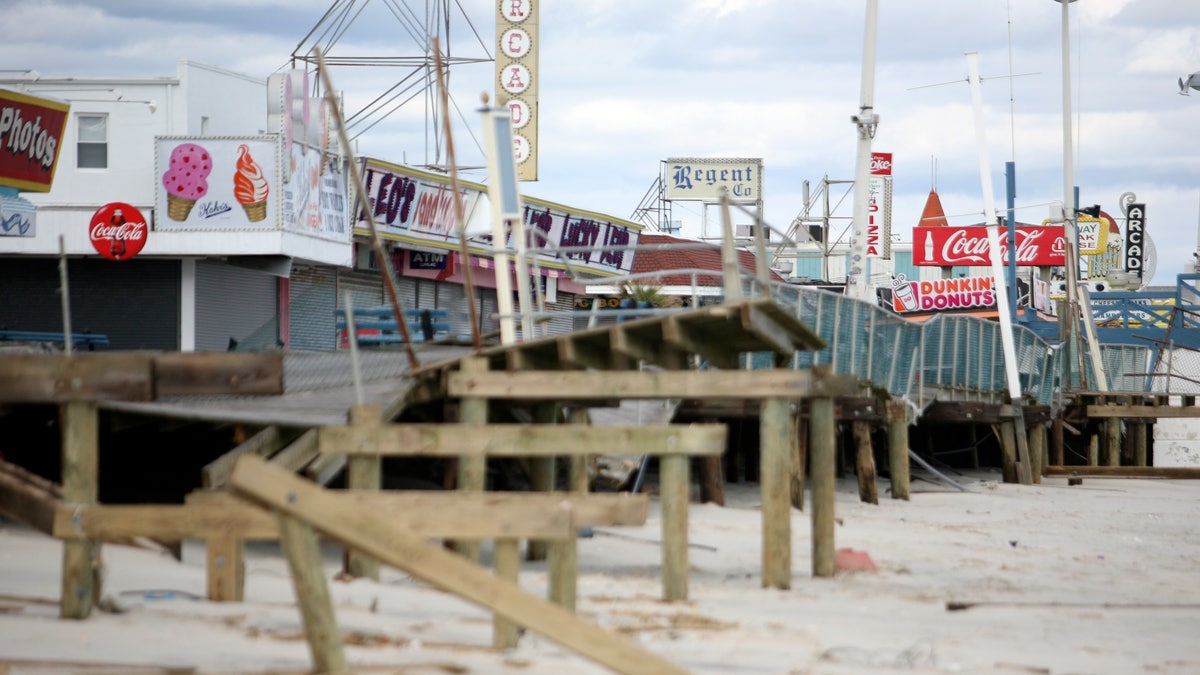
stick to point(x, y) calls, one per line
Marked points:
point(993, 230)
point(1071, 320)
point(865, 122)
point(1010, 203)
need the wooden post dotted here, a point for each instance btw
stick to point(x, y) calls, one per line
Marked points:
point(775, 445)
point(799, 459)
point(674, 487)
point(541, 472)
point(1008, 452)
point(80, 485)
point(507, 560)
point(1112, 441)
point(226, 568)
point(1037, 451)
point(1137, 433)
point(897, 431)
point(472, 469)
point(577, 476)
point(363, 472)
point(299, 542)
point(1021, 438)
point(823, 449)
point(1056, 440)
point(1094, 450)
point(563, 564)
point(864, 464)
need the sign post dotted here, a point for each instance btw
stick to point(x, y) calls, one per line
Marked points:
point(506, 210)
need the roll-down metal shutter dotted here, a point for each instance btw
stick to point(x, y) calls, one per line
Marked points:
point(235, 304)
point(312, 298)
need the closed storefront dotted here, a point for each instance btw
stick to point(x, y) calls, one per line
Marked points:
point(235, 307)
point(134, 302)
point(312, 298)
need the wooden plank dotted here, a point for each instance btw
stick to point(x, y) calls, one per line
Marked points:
point(1173, 472)
point(688, 338)
point(1146, 413)
point(520, 440)
point(674, 491)
point(628, 345)
point(198, 373)
point(687, 384)
point(781, 340)
point(775, 446)
point(428, 514)
point(507, 561)
point(823, 459)
point(375, 534)
point(264, 443)
point(299, 544)
point(56, 378)
point(299, 453)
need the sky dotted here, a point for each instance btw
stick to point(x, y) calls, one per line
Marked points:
point(624, 86)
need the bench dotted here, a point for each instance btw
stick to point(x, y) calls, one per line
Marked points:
point(90, 340)
point(377, 325)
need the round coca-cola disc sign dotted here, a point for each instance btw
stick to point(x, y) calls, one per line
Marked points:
point(118, 231)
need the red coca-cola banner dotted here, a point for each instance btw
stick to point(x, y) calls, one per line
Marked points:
point(1037, 246)
point(118, 231)
point(881, 163)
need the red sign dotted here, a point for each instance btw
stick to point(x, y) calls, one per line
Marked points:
point(1037, 246)
point(31, 130)
point(118, 231)
point(942, 294)
point(881, 163)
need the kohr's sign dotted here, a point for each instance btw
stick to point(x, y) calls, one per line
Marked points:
point(703, 179)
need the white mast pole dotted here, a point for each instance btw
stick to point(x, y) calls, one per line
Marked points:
point(865, 121)
point(993, 230)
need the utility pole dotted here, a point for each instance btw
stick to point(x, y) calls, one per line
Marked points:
point(865, 122)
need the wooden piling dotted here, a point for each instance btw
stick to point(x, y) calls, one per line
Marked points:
point(541, 472)
point(507, 562)
point(864, 462)
point(472, 469)
point(823, 460)
point(1008, 452)
point(1037, 451)
point(299, 543)
point(363, 472)
point(799, 459)
point(775, 449)
point(1137, 433)
point(80, 485)
point(1112, 441)
point(673, 492)
point(897, 431)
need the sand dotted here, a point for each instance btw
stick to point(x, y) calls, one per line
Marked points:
point(1102, 577)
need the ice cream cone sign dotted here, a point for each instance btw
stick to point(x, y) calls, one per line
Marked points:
point(250, 186)
point(186, 180)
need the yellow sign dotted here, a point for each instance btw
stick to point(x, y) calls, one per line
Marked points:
point(1091, 233)
point(516, 78)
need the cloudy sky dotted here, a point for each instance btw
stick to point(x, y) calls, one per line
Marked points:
point(625, 85)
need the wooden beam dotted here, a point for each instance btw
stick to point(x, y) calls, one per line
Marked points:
point(897, 432)
point(689, 338)
point(299, 544)
point(299, 453)
point(864, 462)
point(55, 378)
point(374, 533)
point(626, 344)
point(823, 458)
point(1174, 472)
point(363, 473)
point(674, 492)
point(689, 384)
point(27, 497)
point(520, 440)
point(471, 470)
point(481, 515)
point(1146, 413)
point(264, 443)
point(199, 373)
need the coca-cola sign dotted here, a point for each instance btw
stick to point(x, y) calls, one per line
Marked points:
point(881, 163)
point(1037, 246)
point(118, 231)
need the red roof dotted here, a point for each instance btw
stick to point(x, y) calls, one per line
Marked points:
point(662, 252)
point(933, 214)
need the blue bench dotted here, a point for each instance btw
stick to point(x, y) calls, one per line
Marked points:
point(378, 326)
point(91, 340)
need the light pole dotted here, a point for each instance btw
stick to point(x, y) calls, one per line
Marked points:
point(857, 284)
point(1072, 253)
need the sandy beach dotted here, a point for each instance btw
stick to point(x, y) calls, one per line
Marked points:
point(1102, 577)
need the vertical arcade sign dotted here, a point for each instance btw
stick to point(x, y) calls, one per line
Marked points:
point(516, 78)
point(1135, 238)
point(879, 207)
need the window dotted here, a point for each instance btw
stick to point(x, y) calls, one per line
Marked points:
point(92, 149)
